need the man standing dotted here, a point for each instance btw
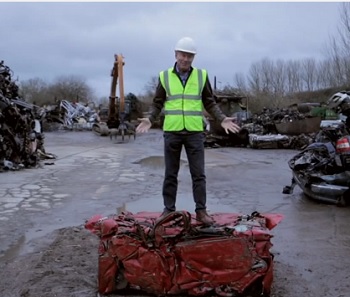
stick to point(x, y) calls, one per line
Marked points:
point(183, 91)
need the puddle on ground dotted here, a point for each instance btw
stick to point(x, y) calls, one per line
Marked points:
point(14, 250)
point(27, 242)
point(154, 162)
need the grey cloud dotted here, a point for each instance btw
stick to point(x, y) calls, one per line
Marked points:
point(48, 40)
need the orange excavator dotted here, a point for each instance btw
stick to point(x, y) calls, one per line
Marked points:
point(115, 123)
point(115, 115)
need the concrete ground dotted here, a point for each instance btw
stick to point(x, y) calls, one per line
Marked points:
point(94, 175)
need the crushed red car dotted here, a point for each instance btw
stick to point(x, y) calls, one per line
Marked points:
point(179, 255)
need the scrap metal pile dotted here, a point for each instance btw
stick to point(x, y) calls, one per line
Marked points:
point(178, 255)
point(76, 115)
point(272, 128)
point(282, 128)
point(21, 140)
point(69, 115)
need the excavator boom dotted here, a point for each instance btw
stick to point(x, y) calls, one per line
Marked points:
point(114, 112)
point(116, 123)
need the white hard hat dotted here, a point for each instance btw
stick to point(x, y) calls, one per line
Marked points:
point(187, 45)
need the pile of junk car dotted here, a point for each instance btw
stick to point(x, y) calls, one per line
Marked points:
point(177, 255)
point(21, 137)
point(322, 169)
point(281, 128)
point(231, 105)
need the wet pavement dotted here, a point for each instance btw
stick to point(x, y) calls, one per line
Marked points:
point(94, 175)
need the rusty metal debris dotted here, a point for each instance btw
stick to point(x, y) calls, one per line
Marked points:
point(21, 137)
point(286, 128)
point(178, 255)
point(77, 115)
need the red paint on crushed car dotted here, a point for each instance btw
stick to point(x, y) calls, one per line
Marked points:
point(178, 255)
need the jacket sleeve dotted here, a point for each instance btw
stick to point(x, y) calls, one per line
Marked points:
point(158, 102)
point(209, 103)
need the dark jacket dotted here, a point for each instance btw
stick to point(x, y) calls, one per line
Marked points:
point(207, 98)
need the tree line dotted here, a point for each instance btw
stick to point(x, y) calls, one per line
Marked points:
point(70, 87)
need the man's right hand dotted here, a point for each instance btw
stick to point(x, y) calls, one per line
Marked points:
point(144, 126)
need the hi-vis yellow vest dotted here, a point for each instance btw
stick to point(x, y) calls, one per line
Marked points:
point(183, 106)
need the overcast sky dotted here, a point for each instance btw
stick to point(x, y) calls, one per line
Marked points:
point(49, 40)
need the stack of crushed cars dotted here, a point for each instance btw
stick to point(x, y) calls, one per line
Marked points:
point(263, 131)
point(21, 140)
point(259, 131)
point(179, 255)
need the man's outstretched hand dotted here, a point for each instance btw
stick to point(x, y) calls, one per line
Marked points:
point(144, 126)
point(229, 125)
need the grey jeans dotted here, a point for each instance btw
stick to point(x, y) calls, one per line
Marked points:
point(194, 147)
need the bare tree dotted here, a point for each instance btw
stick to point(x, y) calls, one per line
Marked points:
point(150, 89)
point(336, 66)
point(279, 79)
point(240, 82)
point(344, 29)
point(293, 80)
point(254, 78)
point(151, 86)
point(267, 81)
point(35, 90)
point(72, 88)
point(338, 49)
point(308, 74)
point(267, 69)
point(324, 74)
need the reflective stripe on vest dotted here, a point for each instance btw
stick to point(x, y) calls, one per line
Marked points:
point(183, 107)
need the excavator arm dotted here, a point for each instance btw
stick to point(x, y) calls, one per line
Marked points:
point(116, 111)
point(116, 123)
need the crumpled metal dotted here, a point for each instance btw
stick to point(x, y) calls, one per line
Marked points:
point(21, 138)
point(178, 255)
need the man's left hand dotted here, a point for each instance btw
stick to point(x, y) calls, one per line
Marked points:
point(229, 125)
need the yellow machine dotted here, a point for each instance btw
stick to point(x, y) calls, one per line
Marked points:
point(116, 121)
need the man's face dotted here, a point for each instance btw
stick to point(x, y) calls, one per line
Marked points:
point(184, 60)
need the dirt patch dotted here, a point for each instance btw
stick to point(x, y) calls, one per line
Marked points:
point(65, 267)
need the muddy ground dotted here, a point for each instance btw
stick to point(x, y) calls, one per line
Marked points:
point(46, 252)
